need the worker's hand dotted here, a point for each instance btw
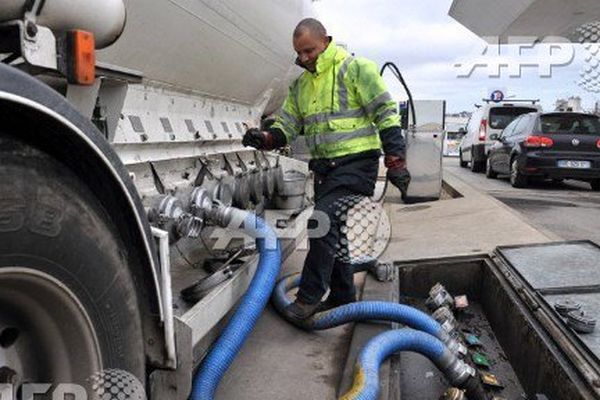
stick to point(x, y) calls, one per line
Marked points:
point(255, 138)
point(398, 174)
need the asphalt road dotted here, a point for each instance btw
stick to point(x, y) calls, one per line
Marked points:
point(569, 210)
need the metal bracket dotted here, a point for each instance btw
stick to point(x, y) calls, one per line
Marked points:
point(176, 384)
point(241, 163)
point(166, 295)
point(37, 44)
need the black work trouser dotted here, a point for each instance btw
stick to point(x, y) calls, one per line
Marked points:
point(322, 269)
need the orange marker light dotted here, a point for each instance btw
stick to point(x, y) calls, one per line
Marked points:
point(83, 57)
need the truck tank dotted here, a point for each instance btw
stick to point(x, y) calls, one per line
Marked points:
point(233, 50)
point(168, 106)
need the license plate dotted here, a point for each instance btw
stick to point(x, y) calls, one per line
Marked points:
point(574, 164)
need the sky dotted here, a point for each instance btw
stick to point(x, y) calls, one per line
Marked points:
point(427, 44)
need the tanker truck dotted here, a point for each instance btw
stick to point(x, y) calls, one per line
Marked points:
point(120, 146)
point(121, 121)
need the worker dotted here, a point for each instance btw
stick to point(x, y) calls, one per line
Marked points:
point(341, 108)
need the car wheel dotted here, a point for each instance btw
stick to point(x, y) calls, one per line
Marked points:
point(463, 164)
point(595, 184)
point(517, 179)
point(489, 171)
point(68, 304)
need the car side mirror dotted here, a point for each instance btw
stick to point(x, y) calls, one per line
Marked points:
point(494, 136)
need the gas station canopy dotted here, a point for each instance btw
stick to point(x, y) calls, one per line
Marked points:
point(497, 20)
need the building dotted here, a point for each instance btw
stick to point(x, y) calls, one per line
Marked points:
point(570, 104)
point(456, 125)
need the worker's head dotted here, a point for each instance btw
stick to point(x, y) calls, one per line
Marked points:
point(310, 40)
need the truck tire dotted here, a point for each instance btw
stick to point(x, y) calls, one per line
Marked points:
point(595, 184)
point(68, 305)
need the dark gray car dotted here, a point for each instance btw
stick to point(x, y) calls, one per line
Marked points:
point(558, 145)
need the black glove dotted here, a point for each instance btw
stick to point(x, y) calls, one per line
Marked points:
point(399, 177)
point(255, 138)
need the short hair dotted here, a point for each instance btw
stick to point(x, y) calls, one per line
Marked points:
point(311, 25)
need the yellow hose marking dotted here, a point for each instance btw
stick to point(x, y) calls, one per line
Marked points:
point(357, 386)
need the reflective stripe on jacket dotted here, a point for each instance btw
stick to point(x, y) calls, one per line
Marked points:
point(340, 108)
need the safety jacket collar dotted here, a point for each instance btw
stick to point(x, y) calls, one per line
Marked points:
point(327, 59)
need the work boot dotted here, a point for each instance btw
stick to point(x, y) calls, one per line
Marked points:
point(300, 311)
point(331, 303)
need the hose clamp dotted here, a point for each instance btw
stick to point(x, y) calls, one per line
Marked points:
point(219, 214)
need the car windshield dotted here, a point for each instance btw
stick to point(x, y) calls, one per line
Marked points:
point(570, 123)
point(500, 117)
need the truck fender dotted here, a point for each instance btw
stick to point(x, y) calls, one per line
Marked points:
point(76, 142)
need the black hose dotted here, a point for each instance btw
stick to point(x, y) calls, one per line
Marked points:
point(399, 76)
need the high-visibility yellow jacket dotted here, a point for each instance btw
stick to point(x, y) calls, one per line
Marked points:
point(341, 109)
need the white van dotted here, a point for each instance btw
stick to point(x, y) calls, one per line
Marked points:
point(487, 120)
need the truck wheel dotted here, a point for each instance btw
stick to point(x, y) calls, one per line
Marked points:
point(595, 184)
point(463, 164)
point(68, 306)
point(517, 179)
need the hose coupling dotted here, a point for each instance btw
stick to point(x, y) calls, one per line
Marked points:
point(445, 317)
point(456, 347)
point(439, 297)
point(219, 214)
point(456, 370)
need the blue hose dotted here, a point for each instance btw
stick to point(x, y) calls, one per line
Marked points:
point(223, 352)
point(360, 311)
point(378, 349)
point(428, 338)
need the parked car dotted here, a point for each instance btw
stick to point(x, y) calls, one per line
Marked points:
point(489, 119)
point(558, 145)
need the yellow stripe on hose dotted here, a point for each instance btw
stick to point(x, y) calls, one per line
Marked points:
point(357, 386)
point(290, 280)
